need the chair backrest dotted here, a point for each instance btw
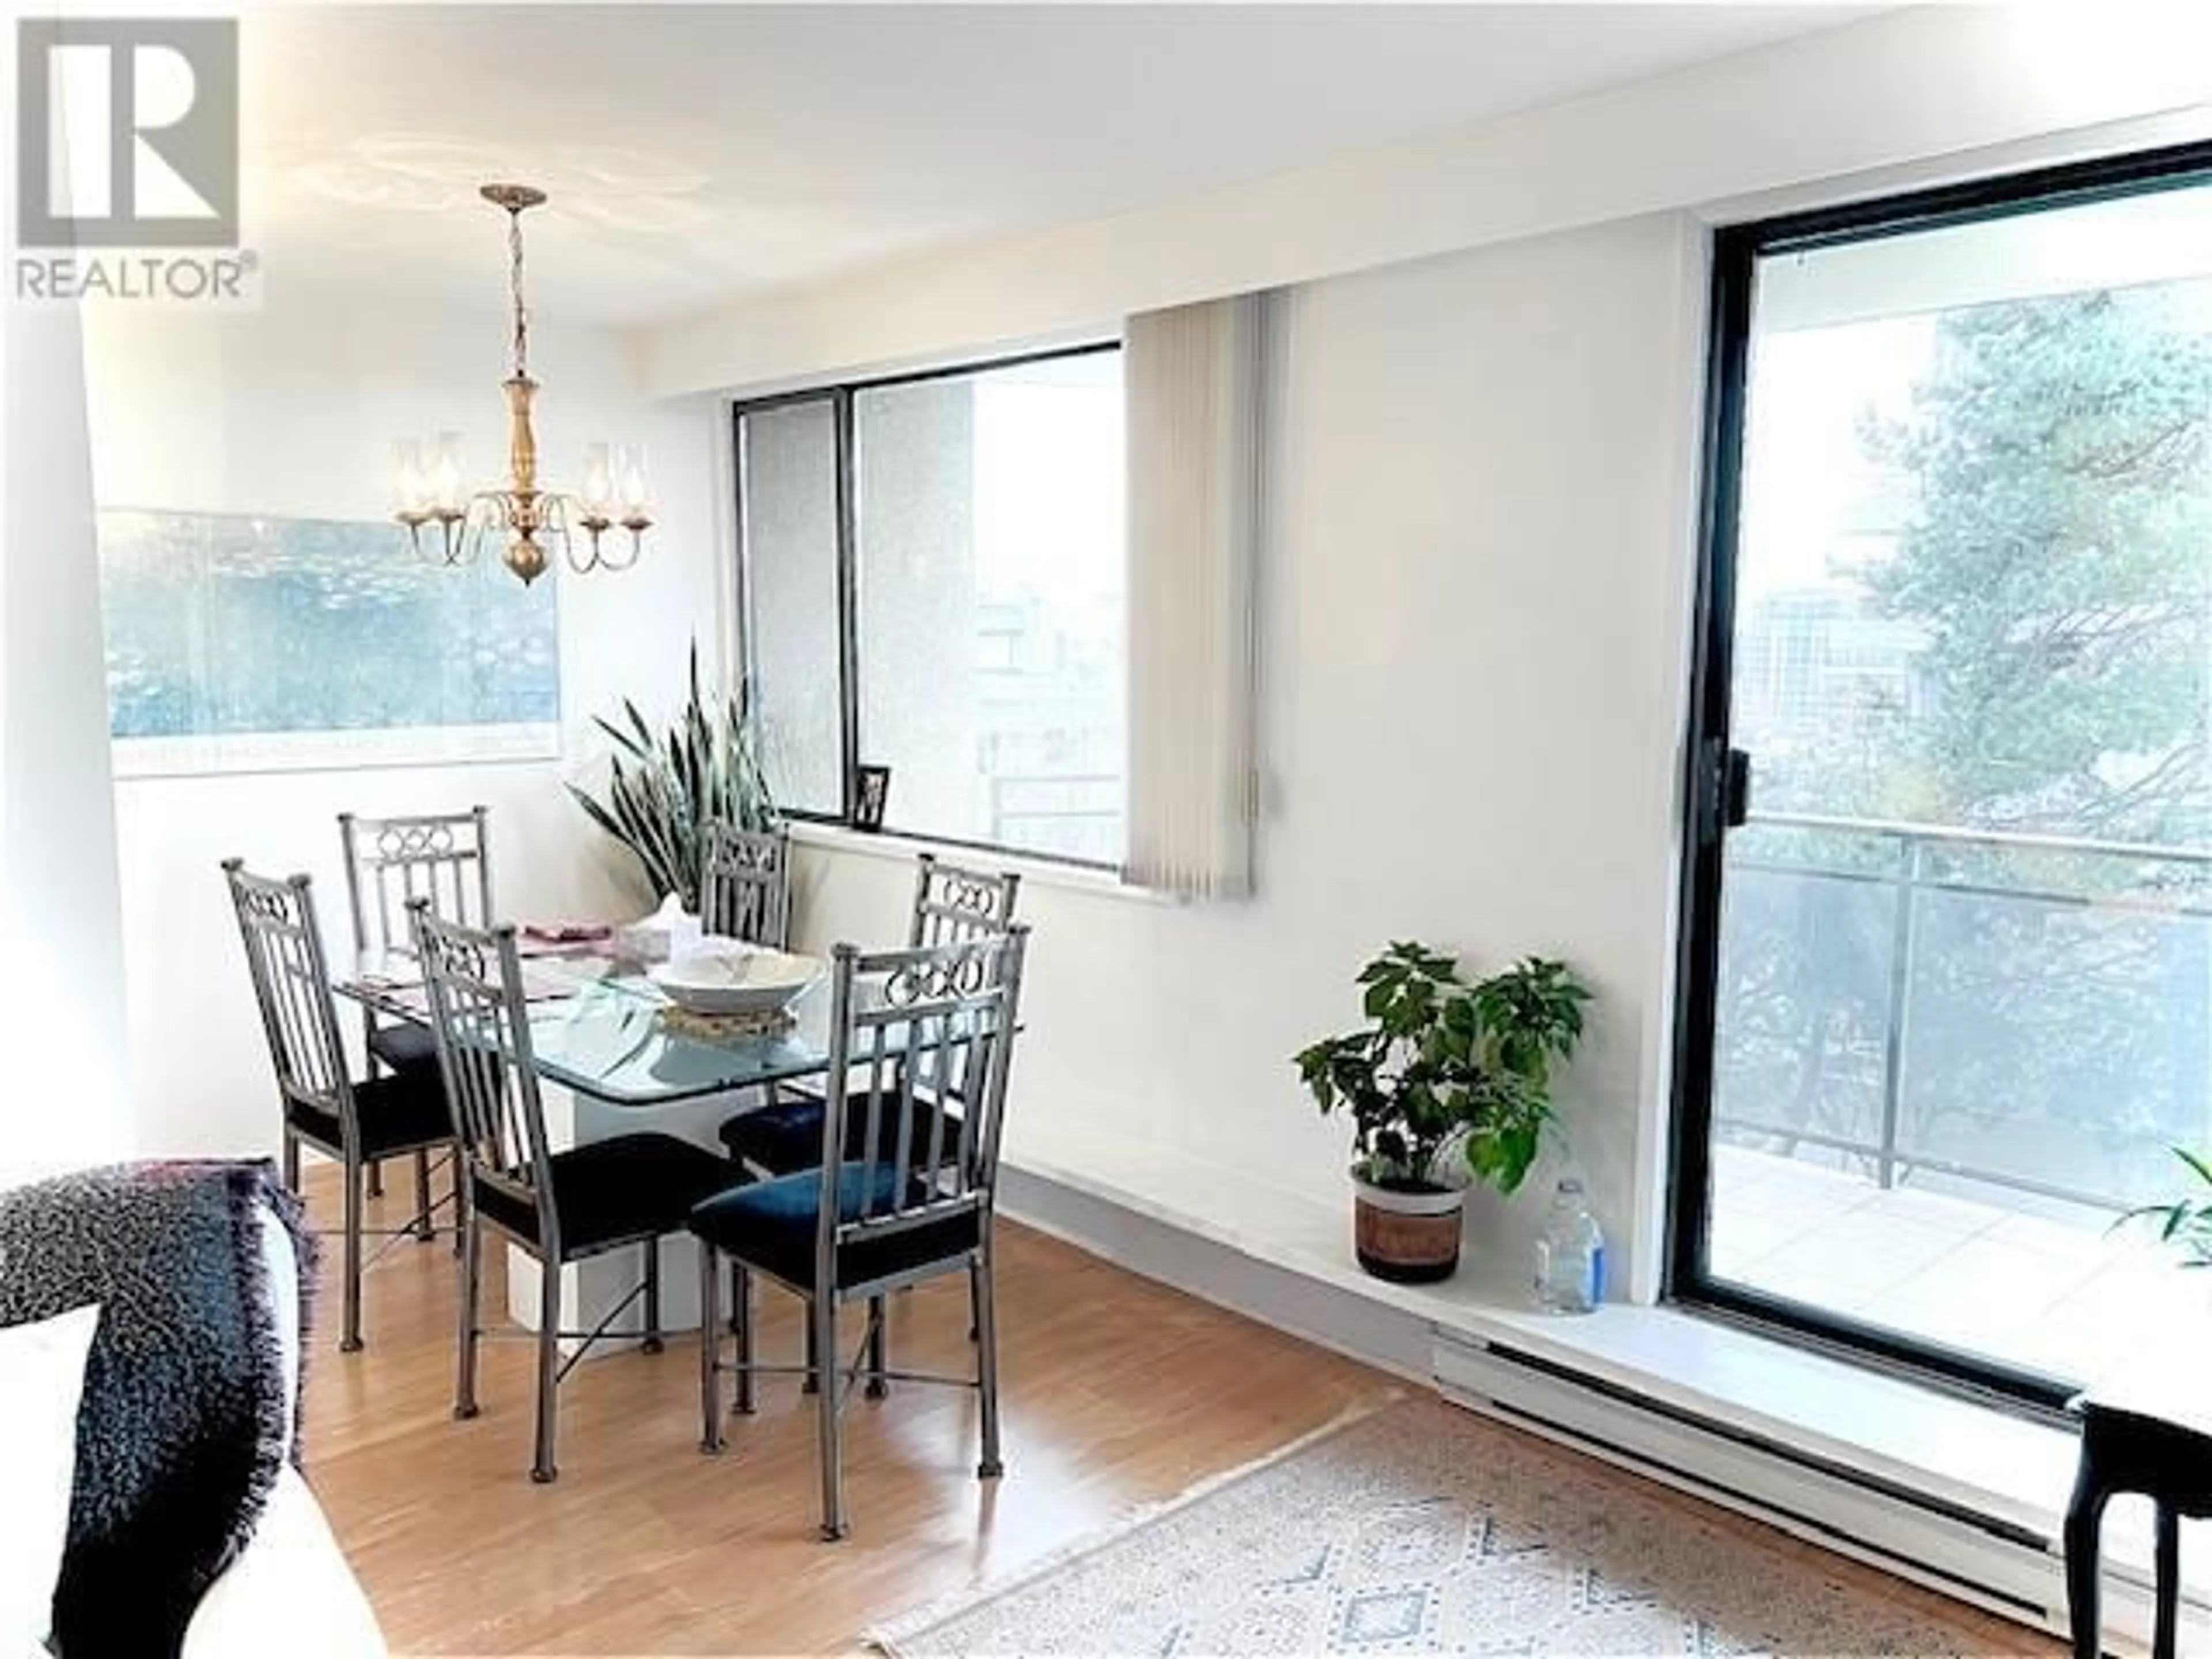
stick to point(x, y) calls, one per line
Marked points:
point(443, 857)
point(473, 980)
point(904, 1026)
point(745, 882)
point(952, 904)
point(292, 986)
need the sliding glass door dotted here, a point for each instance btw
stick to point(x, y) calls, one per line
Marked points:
point(1948, 1005)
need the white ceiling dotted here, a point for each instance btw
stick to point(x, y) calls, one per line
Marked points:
point(697, 154)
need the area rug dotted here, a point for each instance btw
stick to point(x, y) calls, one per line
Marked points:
point(1423, 1528)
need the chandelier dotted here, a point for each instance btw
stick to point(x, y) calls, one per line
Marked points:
point(448, 524)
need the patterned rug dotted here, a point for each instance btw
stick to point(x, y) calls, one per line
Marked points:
point(1423, 1528)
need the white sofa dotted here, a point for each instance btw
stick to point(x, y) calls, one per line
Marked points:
point(290, 1592)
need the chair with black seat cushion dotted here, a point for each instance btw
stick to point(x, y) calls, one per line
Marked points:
point(951, 905)
point(904, 1025)
point(788, 1138)
point(631, 1190)
point(745, 893)
point(745, 882)
point(356, 1122)
point(444, 857)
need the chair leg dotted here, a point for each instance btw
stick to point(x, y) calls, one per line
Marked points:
point(652, 1343)
point(460, 1191)
point(741, 1297)
point(878, 1346)
point(987, 1365)
point(291, 1161)
point(472, 1241)
point(974, 1300)
point(710, 1341)
point(349, 1341)
point(426, 1227)
point(822, 1322)
point(548, 1365)
point(376, 1179)
point(2166, 1634)
point(2085, 1516)
point(810, 1381)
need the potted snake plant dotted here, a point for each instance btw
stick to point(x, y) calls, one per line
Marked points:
point(1447, 1080)
point(664, 788)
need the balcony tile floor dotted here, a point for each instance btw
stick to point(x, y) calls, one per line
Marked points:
point(2072, 1300)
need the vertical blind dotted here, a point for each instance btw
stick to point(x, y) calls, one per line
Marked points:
point(1193, 377)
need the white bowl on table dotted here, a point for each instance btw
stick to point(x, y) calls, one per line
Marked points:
point(735, 980)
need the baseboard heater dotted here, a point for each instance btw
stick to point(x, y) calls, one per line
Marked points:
point(2008, 1570)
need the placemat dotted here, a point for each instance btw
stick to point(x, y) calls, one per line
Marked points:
point(726, 1028)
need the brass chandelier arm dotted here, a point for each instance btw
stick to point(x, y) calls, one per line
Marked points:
point(599, 544)
point(452, 543)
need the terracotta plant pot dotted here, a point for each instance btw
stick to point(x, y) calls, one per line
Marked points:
point(1406, 1234)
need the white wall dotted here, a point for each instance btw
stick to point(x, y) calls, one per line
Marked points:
point(61, 1001)
point(61, 981)
point(291, 410)
point(1474, 610)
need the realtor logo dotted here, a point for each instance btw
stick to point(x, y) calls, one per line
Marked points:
point(128, 133)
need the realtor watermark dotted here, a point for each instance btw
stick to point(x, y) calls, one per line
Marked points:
point(127, 161)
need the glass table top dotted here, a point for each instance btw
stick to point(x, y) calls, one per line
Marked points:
point(597, 1026)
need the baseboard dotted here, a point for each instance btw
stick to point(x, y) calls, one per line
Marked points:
point(1999, 1569)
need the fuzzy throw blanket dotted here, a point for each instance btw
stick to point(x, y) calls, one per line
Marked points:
point(185, 1422)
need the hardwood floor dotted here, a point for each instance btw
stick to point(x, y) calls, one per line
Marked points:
point(1117, 1392)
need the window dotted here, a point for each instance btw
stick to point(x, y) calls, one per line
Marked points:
point(935, 582)
point(1948, 994)
point(787, 465)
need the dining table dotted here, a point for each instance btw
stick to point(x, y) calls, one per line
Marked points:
point(624, 1059)
point(600, 1027)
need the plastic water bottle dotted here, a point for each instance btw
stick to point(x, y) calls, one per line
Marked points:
point(1570, 1255)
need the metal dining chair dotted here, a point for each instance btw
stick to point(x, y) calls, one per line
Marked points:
point(745, 883)
point(952, 904)
point(559, 1206)
point(355, 1122)
point(904, 1024)
point(444, 857)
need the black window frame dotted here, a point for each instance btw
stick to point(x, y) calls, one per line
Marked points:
point(841, 397)
point(1707, 793)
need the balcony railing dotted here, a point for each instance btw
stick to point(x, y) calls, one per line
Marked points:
point(1078, 815)
point(2023, 1012)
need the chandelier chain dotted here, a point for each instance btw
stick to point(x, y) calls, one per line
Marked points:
point(521, 316)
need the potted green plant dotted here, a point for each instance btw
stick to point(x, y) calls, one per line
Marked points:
point(1447, 1079)
point(667, 786)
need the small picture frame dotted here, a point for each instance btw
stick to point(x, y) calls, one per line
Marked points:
point(871, 786)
